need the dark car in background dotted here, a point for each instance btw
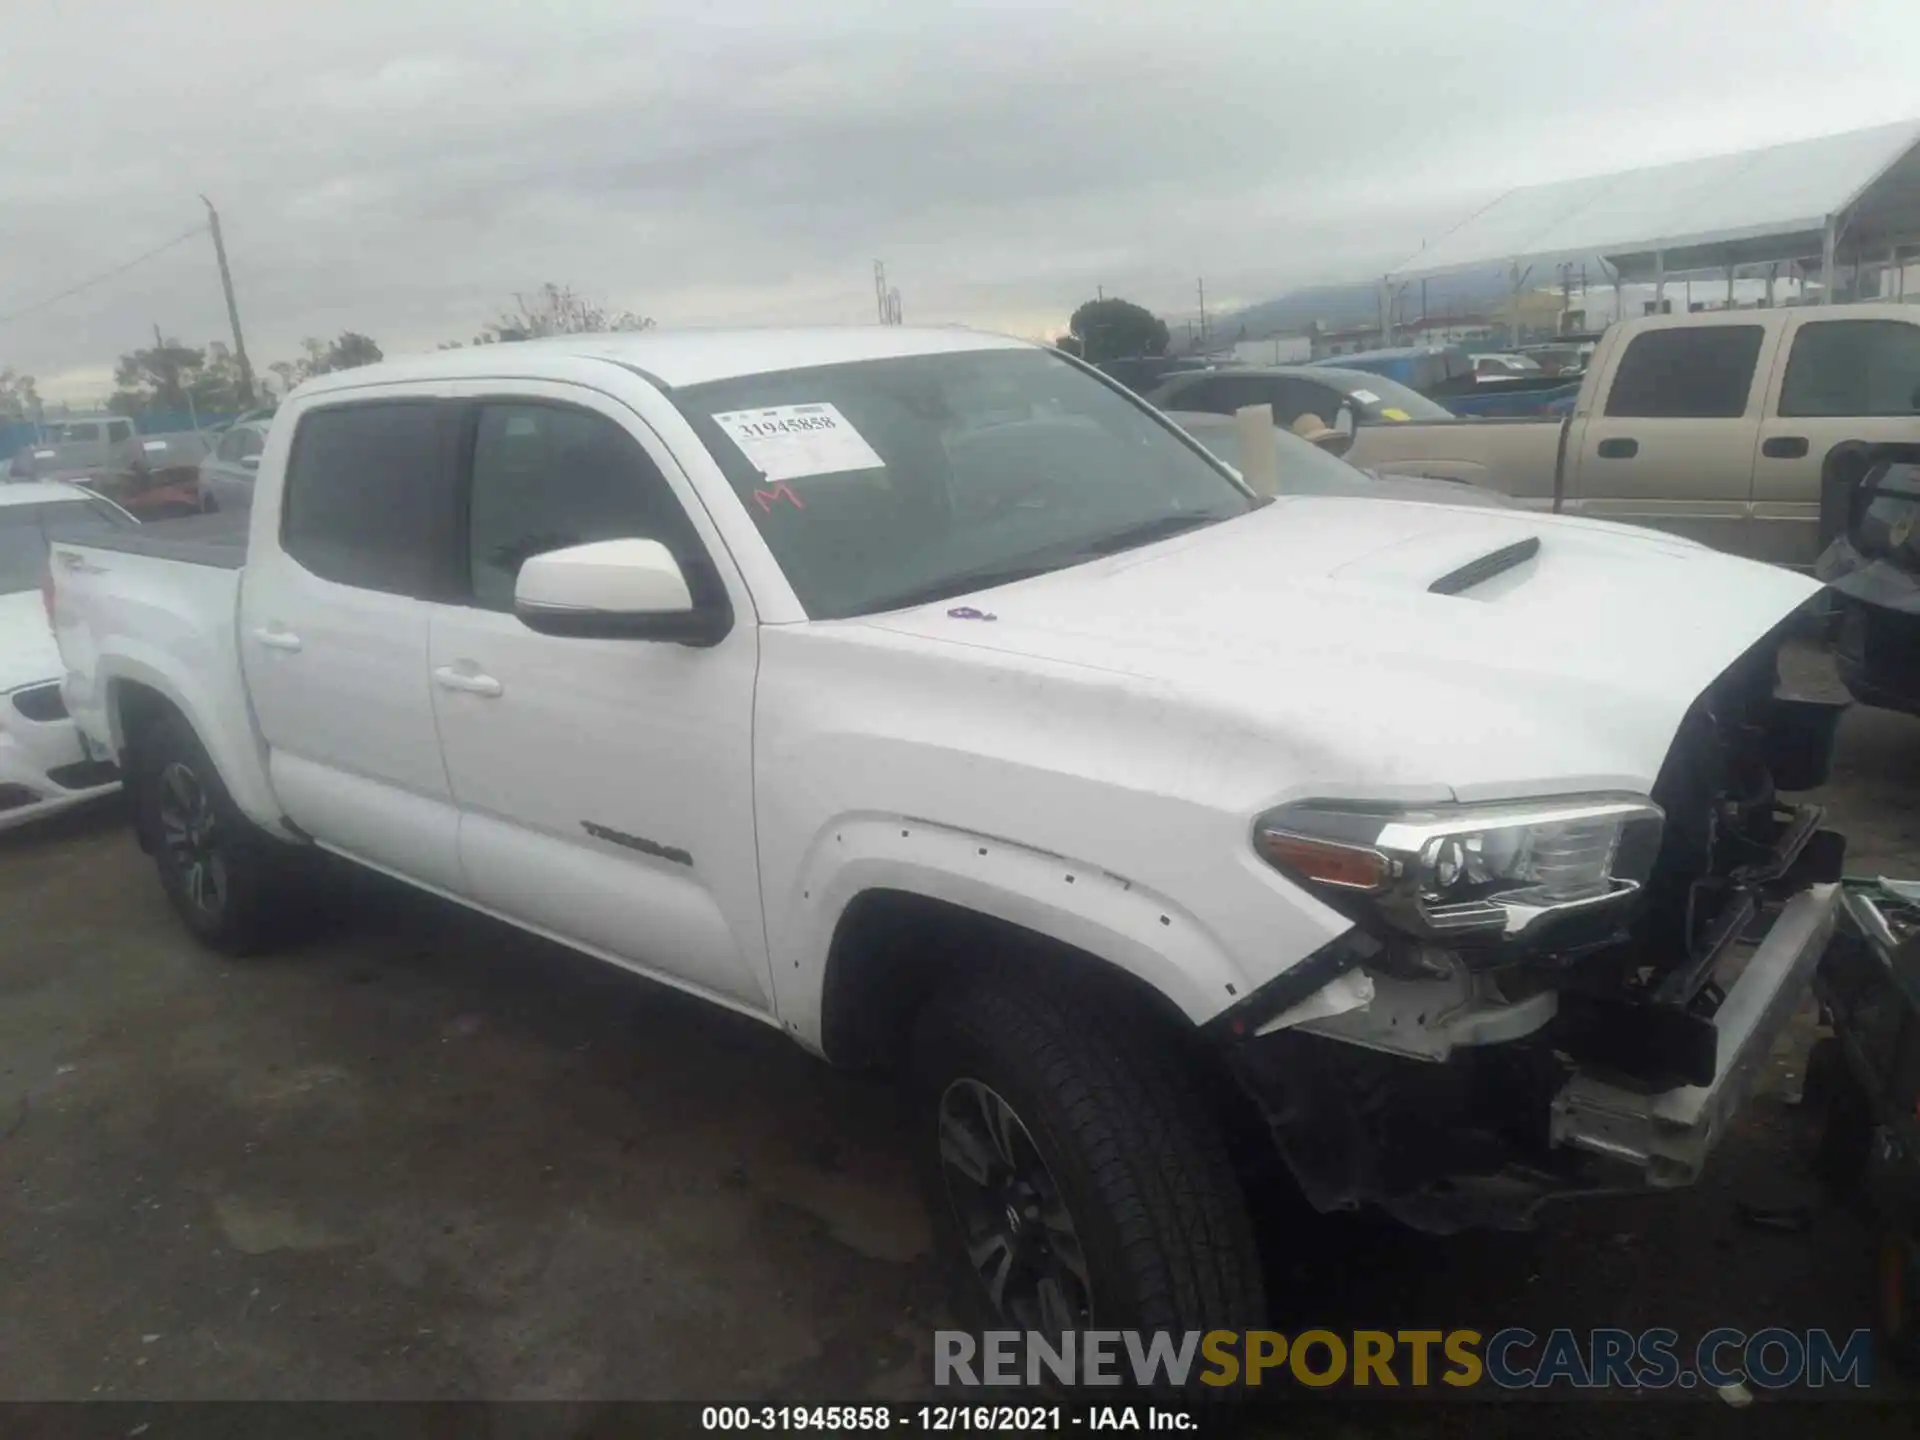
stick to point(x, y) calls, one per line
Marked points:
point(1140, 373)
point(1341, 398)
point(1870, 512)
point(1306, 469)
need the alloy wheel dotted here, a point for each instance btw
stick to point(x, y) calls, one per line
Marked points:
point(190, 832)
point(1021, 1241)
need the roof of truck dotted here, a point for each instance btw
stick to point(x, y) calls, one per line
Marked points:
point(678, 357)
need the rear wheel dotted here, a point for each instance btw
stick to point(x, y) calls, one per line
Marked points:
point(232, 884)
point(1075, 1174)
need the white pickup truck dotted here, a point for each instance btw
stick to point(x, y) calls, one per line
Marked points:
point(1714, 426)
point(925, 695)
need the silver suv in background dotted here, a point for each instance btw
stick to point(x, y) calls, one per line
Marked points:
point(226, 475)
point(78, 449)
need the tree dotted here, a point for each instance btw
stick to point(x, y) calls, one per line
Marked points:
point(1109, 329)
point(319, 357)
point(554, 310)
point(1069, 345)
point(18, 399)
point(177, 378)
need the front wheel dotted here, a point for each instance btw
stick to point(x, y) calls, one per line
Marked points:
point(227, 880)
point(1076, 1177)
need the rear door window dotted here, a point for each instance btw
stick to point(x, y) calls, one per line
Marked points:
point(1699, 373)
point(368, 501)
point(1853, 367)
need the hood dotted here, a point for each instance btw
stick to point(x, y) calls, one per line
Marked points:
point(28, 653)
point(1312, 622)
point(1434, 490)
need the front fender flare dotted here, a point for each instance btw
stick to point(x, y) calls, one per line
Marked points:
point(1105, 915)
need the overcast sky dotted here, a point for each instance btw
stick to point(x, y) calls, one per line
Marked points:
point(402, 167)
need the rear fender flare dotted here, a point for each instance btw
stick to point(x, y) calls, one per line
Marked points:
point(238, 758)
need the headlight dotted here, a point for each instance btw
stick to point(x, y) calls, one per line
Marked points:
point(1461, 871)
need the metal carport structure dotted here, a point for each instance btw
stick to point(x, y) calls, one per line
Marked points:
point(1855, 194)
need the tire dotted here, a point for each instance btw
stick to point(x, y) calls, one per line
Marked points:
point(1838, 1123)
point(231, 884)
point(1128, 1157)
point(1898, 1298)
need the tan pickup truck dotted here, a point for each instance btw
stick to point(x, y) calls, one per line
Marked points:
point(1713, 426)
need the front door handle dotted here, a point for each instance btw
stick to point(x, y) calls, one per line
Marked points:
point(467, 682)
point(1619, 449)
point(1784, 447)
point(275, 639)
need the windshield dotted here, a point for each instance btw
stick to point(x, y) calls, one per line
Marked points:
point(26, 530)
point(892, 482)
point(1305, 469)
point(1381, 399)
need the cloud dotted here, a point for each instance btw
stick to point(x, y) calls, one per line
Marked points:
point(403, 167)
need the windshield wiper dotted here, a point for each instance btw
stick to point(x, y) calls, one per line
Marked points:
point(965, 583)
point(1161, 527)
point(1061, 557)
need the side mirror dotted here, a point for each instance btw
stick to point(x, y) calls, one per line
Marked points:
point(614, 590)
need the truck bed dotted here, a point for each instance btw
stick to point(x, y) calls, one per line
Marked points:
point(156, 607)
point(218, 540)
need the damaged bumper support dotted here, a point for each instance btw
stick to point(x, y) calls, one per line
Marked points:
point(1487, 1132)
point(1667, 1135)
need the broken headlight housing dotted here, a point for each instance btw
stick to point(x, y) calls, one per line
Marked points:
point(1461, 873)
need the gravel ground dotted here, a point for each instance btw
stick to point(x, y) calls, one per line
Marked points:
point(427, 1157)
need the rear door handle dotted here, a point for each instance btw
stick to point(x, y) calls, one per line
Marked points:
point(277, 639)
point(1621, 449)
point(468, 682)
point(1784, 447)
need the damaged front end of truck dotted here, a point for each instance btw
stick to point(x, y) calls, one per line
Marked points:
point(1562, 997)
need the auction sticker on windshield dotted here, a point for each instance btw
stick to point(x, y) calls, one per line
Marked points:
point(788, 442)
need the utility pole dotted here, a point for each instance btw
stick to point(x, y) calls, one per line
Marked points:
point(886, 298)
point(173, 374)
point(1203, 314)
point(233, 306)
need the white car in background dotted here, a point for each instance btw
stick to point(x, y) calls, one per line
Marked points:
point(45, 764)
point(1504, 366)
point(226, 475)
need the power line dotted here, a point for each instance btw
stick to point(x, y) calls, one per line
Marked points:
point(103, 275)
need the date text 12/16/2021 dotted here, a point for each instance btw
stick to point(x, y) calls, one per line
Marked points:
point(946, 1419)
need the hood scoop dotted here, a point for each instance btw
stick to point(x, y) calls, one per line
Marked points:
point(1494, 562)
